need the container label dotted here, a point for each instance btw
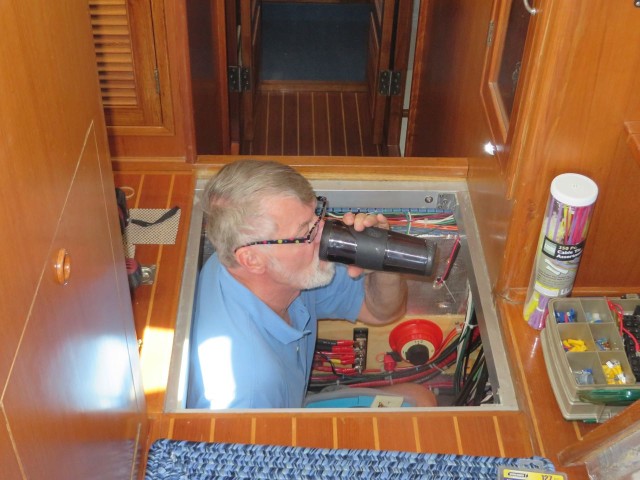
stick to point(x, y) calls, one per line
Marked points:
point(556, 270)
point(561, 252)
point(506, 473)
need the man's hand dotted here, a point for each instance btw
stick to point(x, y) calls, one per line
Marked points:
point(385, 292)
point(360, 221)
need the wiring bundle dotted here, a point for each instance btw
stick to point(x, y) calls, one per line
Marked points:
point(333, 367)
point(417, 222)
point(343, 362)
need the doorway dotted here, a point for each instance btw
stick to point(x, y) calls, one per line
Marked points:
point(299, 77)
point(314, 42)
point(312, 90)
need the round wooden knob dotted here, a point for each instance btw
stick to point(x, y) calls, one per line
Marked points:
point(62, 266)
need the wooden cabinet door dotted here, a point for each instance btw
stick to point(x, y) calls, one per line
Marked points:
point(388, 51)
point(69, 400)
point(506, 40)
point(132, 66)
point(70, 394)
point(249, 58)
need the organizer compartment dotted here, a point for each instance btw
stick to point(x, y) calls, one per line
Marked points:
point(584, 351)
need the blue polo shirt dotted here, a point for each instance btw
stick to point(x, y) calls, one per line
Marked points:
point(243, 355)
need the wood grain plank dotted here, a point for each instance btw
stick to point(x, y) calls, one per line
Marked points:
point(194, 429)
point(478, 435)
point(356, 168)
point(261, 129)
point(233, 428)
point(311, 123)
point(353, 133)
point(275, 119)
point(510, 428)
point(290, 125)
point(395, 432)
point(336, 124)
point(170, 266)
point(306, 135)
point(437, 434)
point(366, 128)
point(274, 430)
point(355, 432)
point(155, 306)
point(314, 431)
point(321, 124)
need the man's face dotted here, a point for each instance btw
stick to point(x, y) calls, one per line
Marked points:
point(297, 265)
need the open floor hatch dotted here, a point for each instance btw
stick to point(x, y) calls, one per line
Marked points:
point(431, 345)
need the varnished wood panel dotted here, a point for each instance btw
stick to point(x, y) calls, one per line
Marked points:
point(633, 138)
point(575, 110)
point(68, 398)
point(354, 168)
point(207, 48)
point(267, 431)
point(603, 437)
point(177, 140)
point(155, 306)
point(10, 465)
point(195, 429)
point(445, 114)
point(464, 433)
point(550, 432)
point(313, 431)
point(72, 380)
point(236, 429)
point(40, 148)
point(437, 434)
point(312, 123)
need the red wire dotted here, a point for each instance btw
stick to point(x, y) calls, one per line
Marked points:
point(380, 383)
point(619, 311)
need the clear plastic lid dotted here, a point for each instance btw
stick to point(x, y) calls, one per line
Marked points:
point(574, 189)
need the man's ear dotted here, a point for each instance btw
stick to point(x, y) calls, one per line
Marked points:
point(251, 260)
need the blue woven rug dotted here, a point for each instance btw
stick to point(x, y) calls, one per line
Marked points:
point(181, 460)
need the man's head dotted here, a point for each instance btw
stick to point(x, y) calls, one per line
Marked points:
point(252, 201)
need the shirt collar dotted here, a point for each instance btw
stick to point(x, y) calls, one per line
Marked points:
point(266, 318)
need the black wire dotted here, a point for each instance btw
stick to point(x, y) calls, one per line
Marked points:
point(481, 384)
point(464, 394)
point(466, 348)
point(333, 368)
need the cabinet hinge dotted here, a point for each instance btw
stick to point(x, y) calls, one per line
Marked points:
point(389, 83)
point(492, 27)
point(239, 78)
point(156, 77)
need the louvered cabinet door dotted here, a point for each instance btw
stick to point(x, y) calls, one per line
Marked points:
point(130, 57)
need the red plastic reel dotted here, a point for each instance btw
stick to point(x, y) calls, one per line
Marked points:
point(416, 340)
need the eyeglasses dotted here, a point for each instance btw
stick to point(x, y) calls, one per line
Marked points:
point(321, 211)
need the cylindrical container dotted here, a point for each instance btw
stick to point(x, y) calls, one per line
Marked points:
point(377, 249)
point(562, 238)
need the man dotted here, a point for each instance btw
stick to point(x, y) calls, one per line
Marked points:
point(260, 295)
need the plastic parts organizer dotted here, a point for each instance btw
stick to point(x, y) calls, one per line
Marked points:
point(586, 359)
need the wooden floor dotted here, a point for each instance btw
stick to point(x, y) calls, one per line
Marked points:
point(537, 428)
point(312, 123)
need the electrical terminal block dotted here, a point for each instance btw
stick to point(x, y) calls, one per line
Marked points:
point(360, 345)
